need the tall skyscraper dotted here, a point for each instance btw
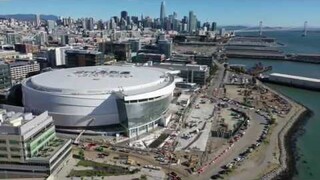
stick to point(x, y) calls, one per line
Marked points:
point(38, 20)
point(116, 19)
point(222, 32)
point(185, 20)
point(51, 25)
point(192, 22)
point(135, 19)
point(90, 24)
point(124, 15)
point(123, 24)
point(100, 25)
point(214, 26)
point(175, 15)
point(162, 12)
point(206, 26)
point(112, 24)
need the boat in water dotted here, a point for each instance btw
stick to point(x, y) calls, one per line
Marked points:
point(258, 69)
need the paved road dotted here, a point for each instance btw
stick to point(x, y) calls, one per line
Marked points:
point(252, 134)
point(262, 166)
point(151, 161)
point(218, 79)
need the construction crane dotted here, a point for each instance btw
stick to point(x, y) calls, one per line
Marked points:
point(76, 141)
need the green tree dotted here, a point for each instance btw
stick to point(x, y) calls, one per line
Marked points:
point(273, 120)
point(143, 177)
point(81, 154)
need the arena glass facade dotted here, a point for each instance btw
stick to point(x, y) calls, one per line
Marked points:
point(141, 116)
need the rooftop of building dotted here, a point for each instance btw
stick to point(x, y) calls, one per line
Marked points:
point(51, 148)
point(8, 52)
point(117, 42)
point(14, 116)
point(295, 77)
point(150, 54)
point(184, 97)
point(93, 80)
point(16, 121)
point(80, 51)
point(21, 62)
point(2, 62)
point(180, 66)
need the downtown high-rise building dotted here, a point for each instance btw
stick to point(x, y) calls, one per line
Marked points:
point(51, 25)
point(192, 22)
point(116, 19)
point(162, 13)
point(88, 24)
point(214, 26)
point(124, 15)
point(38, 20)
point(135, 19)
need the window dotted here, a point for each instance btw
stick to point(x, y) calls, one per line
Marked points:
point(3, 141)
point(13, 142)
point(143, 100)
point(144, 113)
point(15, 149)
point(3, 156)
point(3, 148)
point(15, 156)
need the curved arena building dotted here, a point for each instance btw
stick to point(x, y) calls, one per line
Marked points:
point(101, 96)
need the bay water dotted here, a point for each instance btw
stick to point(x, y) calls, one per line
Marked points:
point(308, 144)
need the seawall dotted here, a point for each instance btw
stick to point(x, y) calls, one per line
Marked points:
point(288, 171)
point(287, 141)
point(303, 58)
point(308, 87)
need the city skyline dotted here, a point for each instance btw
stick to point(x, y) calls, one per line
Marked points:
point(230, 12)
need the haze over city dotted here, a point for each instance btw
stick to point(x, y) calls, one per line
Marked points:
point(226, 12)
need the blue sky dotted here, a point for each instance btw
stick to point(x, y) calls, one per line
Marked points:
point(224, 12)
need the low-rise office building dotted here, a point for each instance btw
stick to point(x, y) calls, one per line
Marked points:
point(9, 54)
point(26, 48)
point(29, 145)
point(204, 60)
point(135, 44)
point(165, 47)
point(5, 76)
point(21, 68)
point(120, 50)
point(190, 73)
point(145, 57)
point(78, 58)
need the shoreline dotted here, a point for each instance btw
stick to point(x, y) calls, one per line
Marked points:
point(287, 140)
point(290, 145)
point(273, 58)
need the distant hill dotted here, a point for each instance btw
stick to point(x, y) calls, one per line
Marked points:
point(232, 28)
point(28, 17)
